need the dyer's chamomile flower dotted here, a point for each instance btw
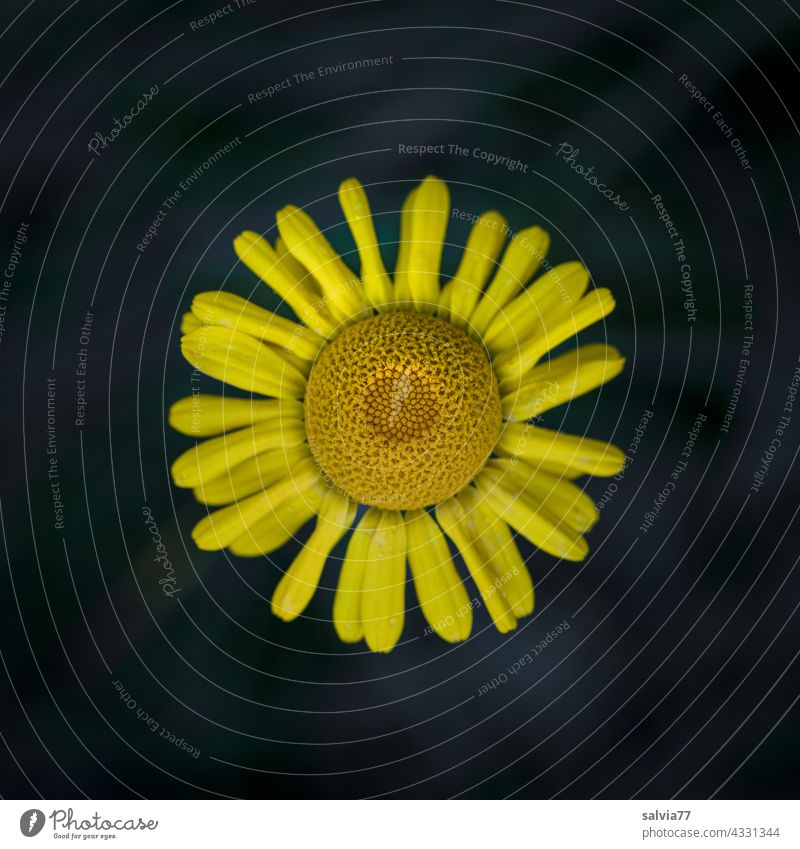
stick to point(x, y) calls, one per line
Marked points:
point(401, 409)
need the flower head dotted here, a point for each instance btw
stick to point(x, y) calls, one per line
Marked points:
point(410, 398)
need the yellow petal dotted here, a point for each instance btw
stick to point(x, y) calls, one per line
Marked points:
point(441, 592)
point(556, 470)
point(522, 257)
point(462, 528)
point(430, 211)
point(288, 272)
point(295, 268)
point(513, 365)
point(251, 475)
point(207, 415)
point(347, 603)
point(479, 260)
point(538, 525)
point(443, 305)
point(552, 295)
point(340, 286)
point(228, 310)
point(579, 453)
point(497, 546)
point(561, 379)
point(383, 598)
point(297, 586)
point(242, 361)
point(402, 292)
point(298, 290)
point(555, 494)
point(189, 322)
point(354, 203)
point(281, 523)
point(212, 458)
point(220, 528)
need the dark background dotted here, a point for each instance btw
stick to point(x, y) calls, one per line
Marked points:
point(678, 675)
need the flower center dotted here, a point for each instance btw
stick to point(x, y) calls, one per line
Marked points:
point(402, 410)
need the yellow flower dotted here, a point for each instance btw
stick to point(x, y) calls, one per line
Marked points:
point(402, 395)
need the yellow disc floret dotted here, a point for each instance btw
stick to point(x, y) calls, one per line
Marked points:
point(402, 410)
